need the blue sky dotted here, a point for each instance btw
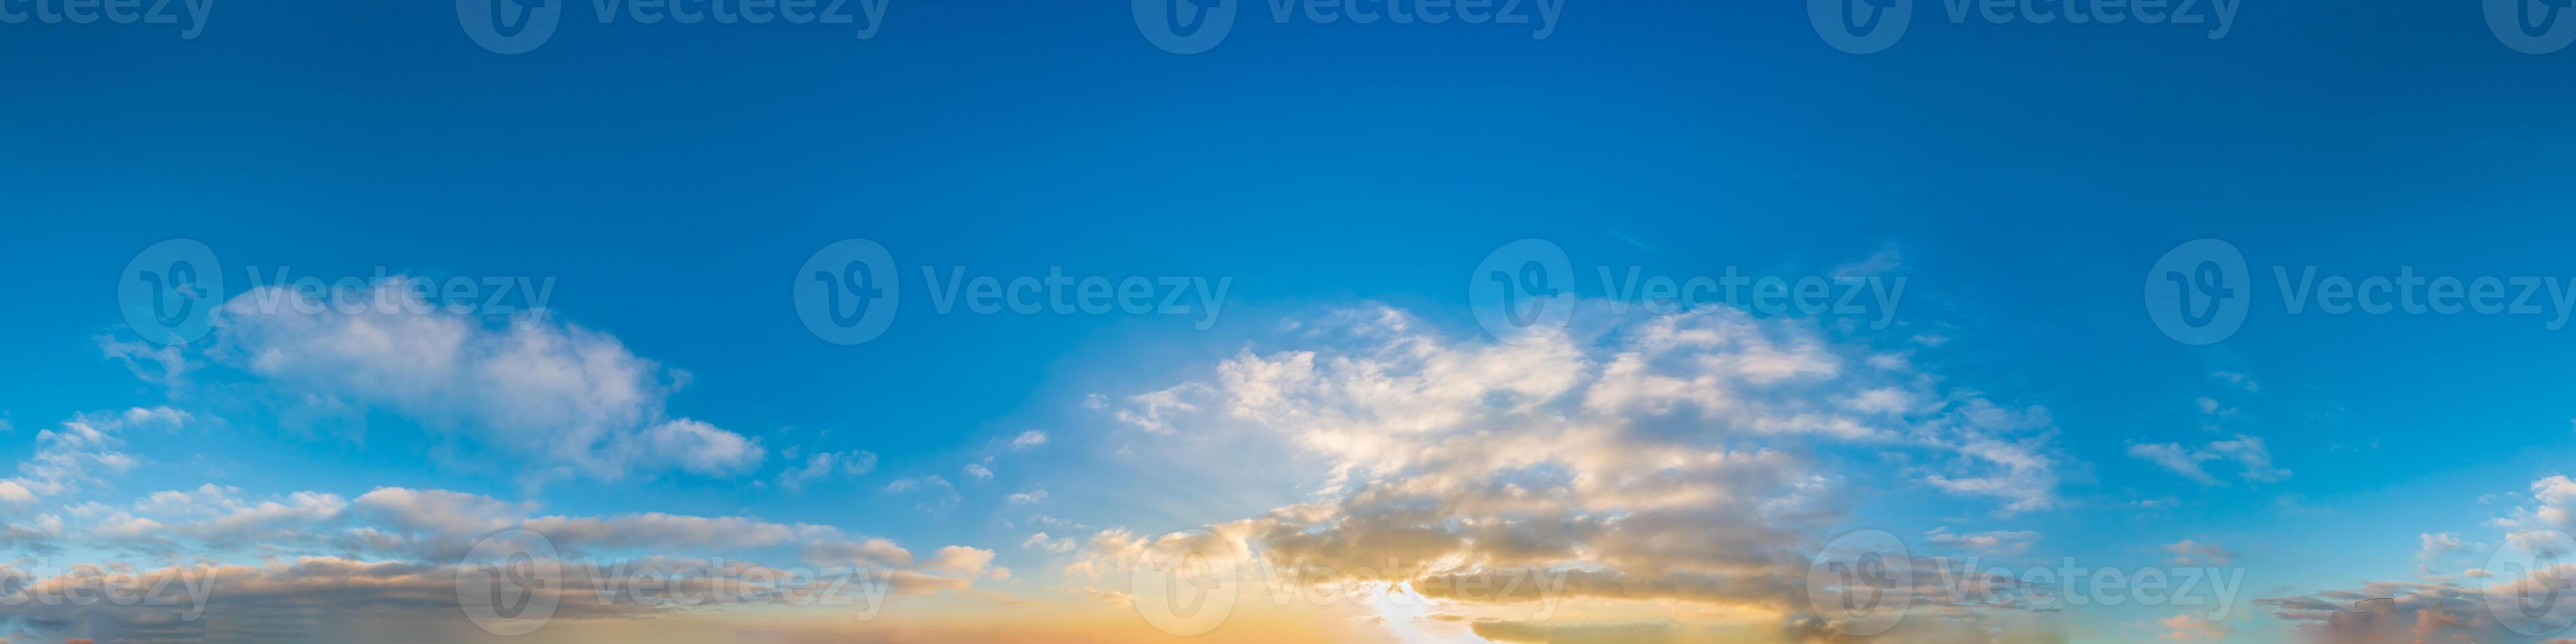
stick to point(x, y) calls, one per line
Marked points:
point(669, 180)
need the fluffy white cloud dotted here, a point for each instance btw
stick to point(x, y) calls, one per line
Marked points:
point(1668, 457)
point(575, 399)
point(961, 560)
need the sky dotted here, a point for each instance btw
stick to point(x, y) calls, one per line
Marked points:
point(1286, 321)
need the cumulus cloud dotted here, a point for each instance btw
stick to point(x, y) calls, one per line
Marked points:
point(1671, 457)
point(576, 400)
point(961, 560)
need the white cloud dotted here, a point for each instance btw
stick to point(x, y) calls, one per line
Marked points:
point(941, 493)
point(1028, 439)
point(81, 453)
point(1665, 457)
point(960, 560)
point(2253, 459)
point(1040, 541)
point(825, 465)
point(574, 399)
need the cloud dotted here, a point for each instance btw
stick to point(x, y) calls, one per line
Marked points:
point(1040, 541)
point(941, 494)
point(574, 399)
point(81, 453)
point(2192, 553)
point(960, 560)
point(1028, 439)
point(2177, 459)
point(825, 465)
point(1999, 542)
point(1024, 498)
point(2437, 544)
point(2253, 459)
point(2187, 627)
point(2240, 380)
point(1667, 457)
